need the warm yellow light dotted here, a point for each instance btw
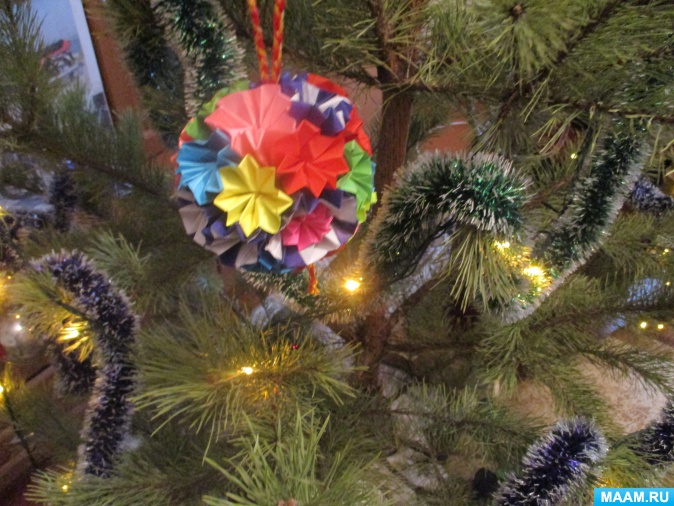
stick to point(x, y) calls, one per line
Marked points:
point(247, 370)
point(352, 285)
point(574, 156)
point(666, 250)
point(668, 283)
point(64, 488)
point(503, 245)
point(17, 316)
point(2, 389)
point(534, 272)
point(661, 326)
point(643, 325)
point(69, 333)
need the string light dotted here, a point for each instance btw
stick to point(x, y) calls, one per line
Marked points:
point(2, 389)
point(247, 370)
point(352, 285)
point(17, 316)
point(665, 251)
point(65, 488)
point(69, 332)
point(18, 327)
point(643, 325)
point(661, 326)
point(533, 271)
point(668, 283)
point(574, 156)
point(502, 245)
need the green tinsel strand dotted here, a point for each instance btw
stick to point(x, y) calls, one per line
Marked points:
point(210, 54)
point(155, 67)
point(595, 204)
point(180, 53)
point(435, 194)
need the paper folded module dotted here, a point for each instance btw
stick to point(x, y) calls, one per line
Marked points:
point(274, 177)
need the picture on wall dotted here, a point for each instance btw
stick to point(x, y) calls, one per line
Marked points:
point(69, 52)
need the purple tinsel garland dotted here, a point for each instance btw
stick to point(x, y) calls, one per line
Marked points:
point(109, 413)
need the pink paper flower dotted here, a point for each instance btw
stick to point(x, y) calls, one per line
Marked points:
point(308, 229)
point(254, 120)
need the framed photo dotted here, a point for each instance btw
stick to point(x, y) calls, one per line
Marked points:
point(69, 52)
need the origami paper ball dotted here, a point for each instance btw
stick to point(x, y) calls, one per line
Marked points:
point(274, 177)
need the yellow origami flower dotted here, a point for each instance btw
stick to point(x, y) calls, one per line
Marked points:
point(251, 198)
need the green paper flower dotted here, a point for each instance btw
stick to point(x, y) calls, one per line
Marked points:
point(359, 180)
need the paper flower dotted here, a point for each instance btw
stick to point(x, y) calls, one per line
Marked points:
point(254, 119)
point(199, 164)
point(359, 180)
point(274, 177)
point(310, 160)
point(250, 197)
point(307, 229)
point(327, 110)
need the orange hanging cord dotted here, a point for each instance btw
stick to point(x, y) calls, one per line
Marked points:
point(312, 289)
point(277, 45)
point(258, 37)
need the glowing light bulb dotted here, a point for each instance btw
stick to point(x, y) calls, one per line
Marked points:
point(643, 325)
point(247, 370)
point(2, 389)
point(352, 285)
point(69, 333)
point(574, 156)
point(661, 326)
point(668, 283)
point(18, 327)
point(65, 488)
point(17, 316)
point(502, 245)
point(533, 271)
point(666, 250)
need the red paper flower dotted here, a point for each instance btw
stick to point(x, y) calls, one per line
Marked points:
point(307, 159)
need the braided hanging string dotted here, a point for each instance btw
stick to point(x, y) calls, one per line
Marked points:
point(277, 46)
point(258, 37)
point(277, 50)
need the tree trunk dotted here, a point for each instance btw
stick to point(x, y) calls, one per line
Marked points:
point(393, 134)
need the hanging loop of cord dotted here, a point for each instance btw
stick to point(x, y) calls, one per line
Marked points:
point(277, 42)
point(258, 37)
point(277, 45)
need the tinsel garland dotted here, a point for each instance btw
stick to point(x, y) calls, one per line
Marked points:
point(656, 442)
point(595, 204)
point(109, 413)
point(63, 196)
point(585, 224)
point(210, 55)
point(155, 67)
point(74, 376)
point(433, 195)
point(555, 466)
point(180, 53)
point(647, 197)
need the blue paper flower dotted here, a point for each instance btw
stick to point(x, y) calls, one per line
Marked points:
point(199, 163)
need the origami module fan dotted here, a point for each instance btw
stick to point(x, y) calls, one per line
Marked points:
point(275, 176)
